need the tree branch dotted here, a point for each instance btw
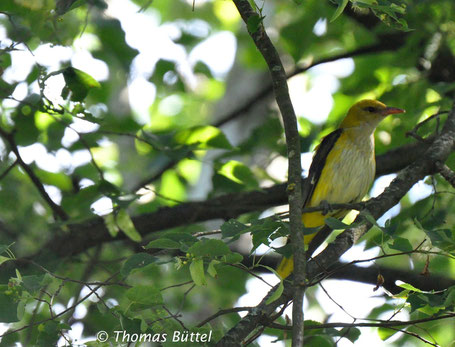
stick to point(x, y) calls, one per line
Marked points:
point(391, 275)
point(425, 165)
point(447, 173)
point(92, 232)
point(58, 211)
point(368, 275)
point(280, 88)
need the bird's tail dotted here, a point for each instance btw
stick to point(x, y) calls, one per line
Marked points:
point(286, 267)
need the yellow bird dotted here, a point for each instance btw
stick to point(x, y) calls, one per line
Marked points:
point(343, 167)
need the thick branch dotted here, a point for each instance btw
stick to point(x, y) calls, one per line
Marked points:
point(391, 275)
point(368, 275)
point(93, 232)
point(425, 165)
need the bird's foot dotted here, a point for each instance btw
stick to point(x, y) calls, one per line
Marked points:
point(326, 207)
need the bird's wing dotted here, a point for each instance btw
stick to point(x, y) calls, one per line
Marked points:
point(318, 163)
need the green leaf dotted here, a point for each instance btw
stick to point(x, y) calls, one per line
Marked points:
point(211, 268)
point(4, 259)
point(233, 258)
point(4, 248)
point(209, 247)
point(145, 295)
point(205, 137)
point(59, 180)
point(285, 251)
point(181, 237)
point(63, 6)
point(26, 131)
point(318, 341)
point(48, 334)
point(401, 244)
point(197, 272)
point(137, 261)
point(409, 287)
point(417, 301)
point(114, 47)
point(265, 228)
point(309, 231)
point(125, 224)
point(254, 22)
point(442, 238)
point(8, 313)
point(6, 89)
point(163, 243)
point(336, 224)
point(369, 217)
point(32, 283)
point(276, 294)
point(385, 333)
point(449, 301)
point(232, 228)
point(352, 334)
point(239, 173)
point(111, 224)
point(79, 82)
point(341, 6)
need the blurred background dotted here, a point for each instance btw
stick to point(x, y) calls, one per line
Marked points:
point(121, 108)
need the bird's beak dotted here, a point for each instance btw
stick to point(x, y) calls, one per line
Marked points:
point(392, 110)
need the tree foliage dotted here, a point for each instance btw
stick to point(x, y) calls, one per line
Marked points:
point(145, 214)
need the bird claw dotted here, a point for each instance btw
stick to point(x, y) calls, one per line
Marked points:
point(326, 207)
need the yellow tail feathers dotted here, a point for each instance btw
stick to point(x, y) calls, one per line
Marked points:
point(286, 267)
point(287, 264)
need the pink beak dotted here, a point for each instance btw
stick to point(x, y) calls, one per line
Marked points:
point(392, 110)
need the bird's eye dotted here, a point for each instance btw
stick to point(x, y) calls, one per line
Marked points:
point(370, 109)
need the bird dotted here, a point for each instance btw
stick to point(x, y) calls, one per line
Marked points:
point(343, 168)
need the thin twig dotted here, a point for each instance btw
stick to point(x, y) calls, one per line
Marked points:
point(176, 285)
point(223, 312)
point(241, 267)
point(4, 173)
point(378, 324)
point(61, 313)
point(58, 210)
point(176, 317)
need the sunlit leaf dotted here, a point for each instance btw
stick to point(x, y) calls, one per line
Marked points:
point(126, 225)
point(197, 272)
point(239, 173)
point(79, 82)
point(204, 136)
point(385, 333)
point(341, 6)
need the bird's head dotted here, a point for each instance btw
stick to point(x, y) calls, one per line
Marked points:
point(368, 113)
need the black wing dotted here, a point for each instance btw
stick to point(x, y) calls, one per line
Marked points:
point(318, 164)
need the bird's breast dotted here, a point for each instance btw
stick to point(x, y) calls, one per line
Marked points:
point(348, 172)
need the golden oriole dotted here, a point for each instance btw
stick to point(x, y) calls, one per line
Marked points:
point(343, 167)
